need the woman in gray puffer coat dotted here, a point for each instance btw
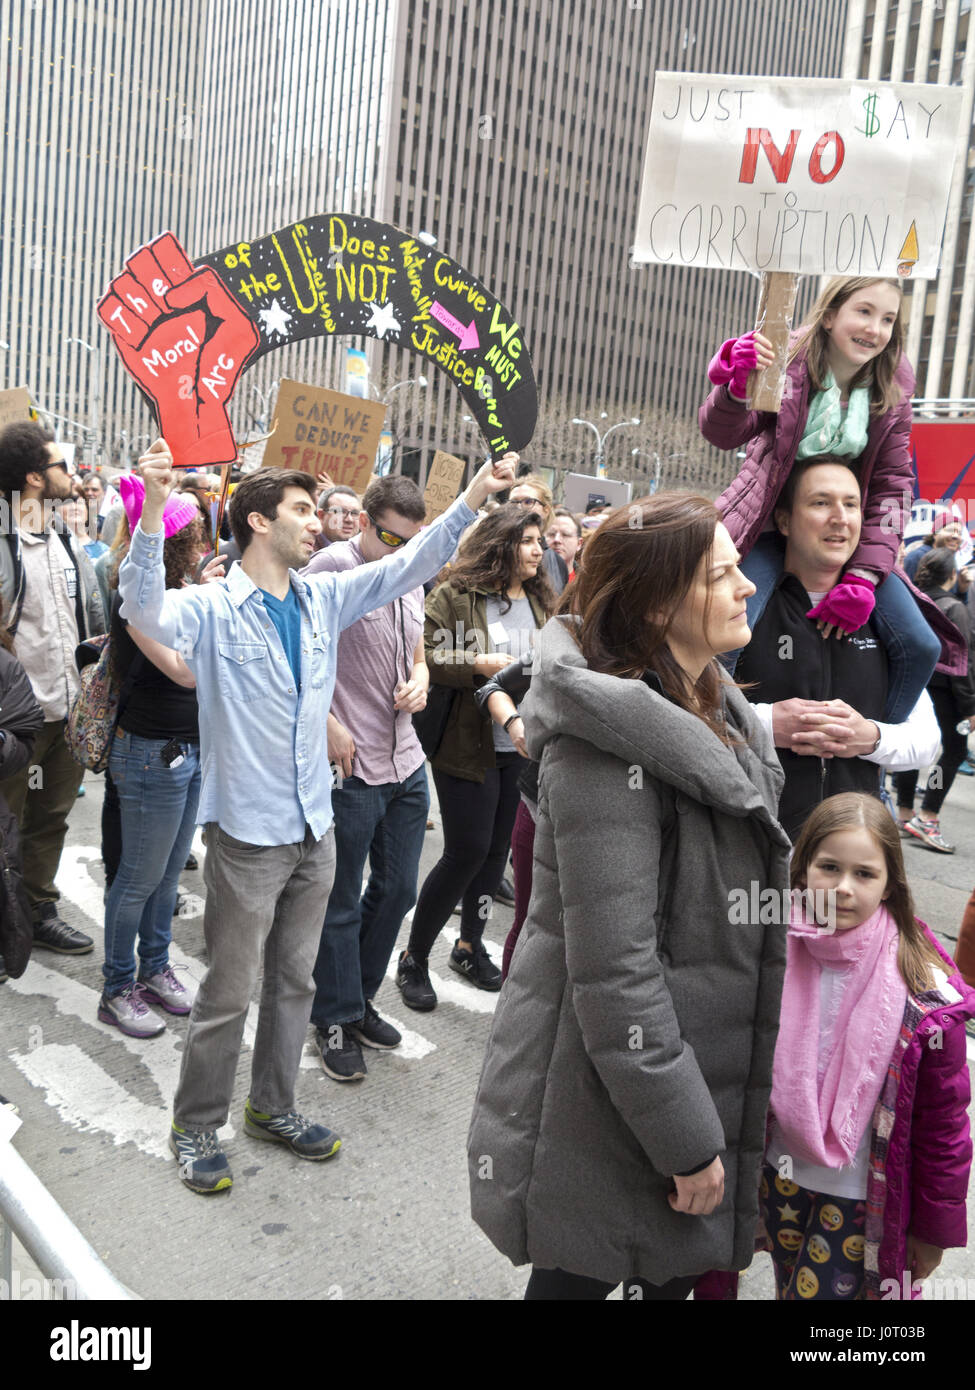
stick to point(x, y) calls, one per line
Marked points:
point(620, 1119)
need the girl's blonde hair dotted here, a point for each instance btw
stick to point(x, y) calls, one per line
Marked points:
point(814, 339)
point(848, 811)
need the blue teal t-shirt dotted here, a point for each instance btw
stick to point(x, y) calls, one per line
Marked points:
point(285, 614)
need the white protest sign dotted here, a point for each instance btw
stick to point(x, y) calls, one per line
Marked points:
point(801, 175)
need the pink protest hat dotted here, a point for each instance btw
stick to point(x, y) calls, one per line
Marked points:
point(177, 512)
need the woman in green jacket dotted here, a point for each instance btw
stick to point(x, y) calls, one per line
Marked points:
point(484, 616)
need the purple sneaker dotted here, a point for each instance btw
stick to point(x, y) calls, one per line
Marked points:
point(129, 1013)
point(168, 991)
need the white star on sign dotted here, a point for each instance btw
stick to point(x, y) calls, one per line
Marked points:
point(275, 320)
point(383, 320)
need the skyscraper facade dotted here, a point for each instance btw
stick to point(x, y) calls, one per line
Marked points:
point(512, 134)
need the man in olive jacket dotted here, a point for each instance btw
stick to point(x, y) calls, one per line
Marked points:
point(633, 1040)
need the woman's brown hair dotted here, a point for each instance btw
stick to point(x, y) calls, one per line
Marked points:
point(813, 337)
point(488, 557)
point(181, 552)
point(847, 811)
point(639, 568)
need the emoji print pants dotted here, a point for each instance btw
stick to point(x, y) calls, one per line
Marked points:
point(817, 1241)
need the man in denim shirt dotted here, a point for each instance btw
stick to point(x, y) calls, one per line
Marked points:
point(262, 646)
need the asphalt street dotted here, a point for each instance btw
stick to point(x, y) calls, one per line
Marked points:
point(388, 1218)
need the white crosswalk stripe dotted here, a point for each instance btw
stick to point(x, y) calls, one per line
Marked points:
point(84, 1094)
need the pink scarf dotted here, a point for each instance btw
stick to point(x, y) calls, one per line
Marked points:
point(824, 1121)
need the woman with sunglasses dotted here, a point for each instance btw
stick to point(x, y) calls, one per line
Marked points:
point(620, 1119)
point(485, 615)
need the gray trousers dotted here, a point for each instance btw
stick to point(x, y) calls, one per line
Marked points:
point(259, 897)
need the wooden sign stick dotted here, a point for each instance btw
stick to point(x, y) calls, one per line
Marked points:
point(775, 310)
point(224, 489)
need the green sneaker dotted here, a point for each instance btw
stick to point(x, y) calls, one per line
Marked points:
point(302, 1138)
point(203, 1165)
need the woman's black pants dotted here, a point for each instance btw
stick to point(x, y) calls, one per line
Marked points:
point(478, 818)
point(954, 746)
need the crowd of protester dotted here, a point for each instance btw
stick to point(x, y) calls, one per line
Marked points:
point(648, 708)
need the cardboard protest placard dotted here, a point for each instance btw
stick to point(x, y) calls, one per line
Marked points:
point(325, 431)
point(815, 177)
point(796, 176)
point(339, 274)
point(443, 483)
point(14, 405)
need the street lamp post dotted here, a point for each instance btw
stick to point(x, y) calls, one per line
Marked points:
point(420, 381)
point(96, 393)
point(261, 421)
point(656, 467)
point(602, 437)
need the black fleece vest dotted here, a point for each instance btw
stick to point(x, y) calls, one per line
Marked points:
point(787, 659)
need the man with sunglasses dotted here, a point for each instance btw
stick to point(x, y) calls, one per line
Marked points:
point(381, 798)
point(51, 602)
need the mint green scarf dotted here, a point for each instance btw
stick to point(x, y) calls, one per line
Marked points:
point(830, 429)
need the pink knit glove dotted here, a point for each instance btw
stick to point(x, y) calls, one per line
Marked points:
point(732, 363)
point(848, 604)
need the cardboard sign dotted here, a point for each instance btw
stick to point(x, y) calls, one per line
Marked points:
point(325, 431)
point(443, 483)
point(803, 175)
point(775, 312)
point(338, 274)
point(14, 405)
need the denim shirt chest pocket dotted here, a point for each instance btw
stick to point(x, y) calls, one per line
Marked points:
point(243, 669)
point(318, 658)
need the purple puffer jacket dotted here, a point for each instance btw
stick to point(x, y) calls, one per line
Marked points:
point(884, 468)
point(920, 1144)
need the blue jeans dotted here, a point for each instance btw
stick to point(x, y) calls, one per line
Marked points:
point(388, 824)
point(913, 649)
point(158, 805)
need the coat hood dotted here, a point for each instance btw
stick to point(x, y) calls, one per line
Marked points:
point(628, 720)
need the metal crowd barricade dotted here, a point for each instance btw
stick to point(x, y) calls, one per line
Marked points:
point(50, 1237)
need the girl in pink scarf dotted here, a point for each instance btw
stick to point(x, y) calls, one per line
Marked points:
point(856, 956)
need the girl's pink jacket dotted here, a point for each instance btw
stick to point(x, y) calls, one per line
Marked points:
point(884, 469)
point(920, 1144)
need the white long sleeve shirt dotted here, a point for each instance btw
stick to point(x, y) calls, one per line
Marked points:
point(913, 744)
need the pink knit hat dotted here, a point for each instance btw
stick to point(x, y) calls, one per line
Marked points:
point(177, 512)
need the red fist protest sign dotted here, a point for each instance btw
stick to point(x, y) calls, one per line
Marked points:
point(185, 340)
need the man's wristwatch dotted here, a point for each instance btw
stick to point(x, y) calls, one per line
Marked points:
point(880, 735)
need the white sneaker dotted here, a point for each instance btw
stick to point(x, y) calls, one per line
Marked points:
point(167, 990)
point(130, 1014)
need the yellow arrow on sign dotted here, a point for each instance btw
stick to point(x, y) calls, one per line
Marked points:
point(909, 251)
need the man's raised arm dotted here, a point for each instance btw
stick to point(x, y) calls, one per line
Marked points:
point(368, 587)
point(169, 616)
